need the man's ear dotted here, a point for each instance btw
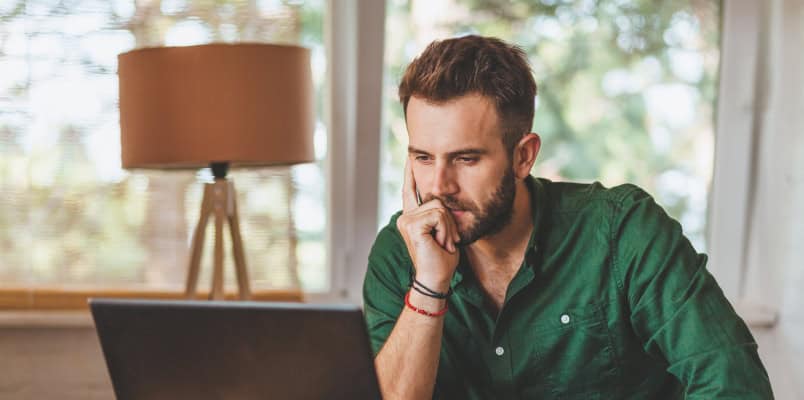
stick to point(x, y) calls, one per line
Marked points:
point(525, 154)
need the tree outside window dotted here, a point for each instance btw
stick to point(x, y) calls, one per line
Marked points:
point(626, 89)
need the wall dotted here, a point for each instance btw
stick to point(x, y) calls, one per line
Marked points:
point(55, 357)
point(775, 247)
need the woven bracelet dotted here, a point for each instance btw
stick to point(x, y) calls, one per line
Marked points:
point(424, 312)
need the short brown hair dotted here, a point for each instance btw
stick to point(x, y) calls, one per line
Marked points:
point(452, 68)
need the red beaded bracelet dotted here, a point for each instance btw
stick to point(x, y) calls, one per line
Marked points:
point(424, 312)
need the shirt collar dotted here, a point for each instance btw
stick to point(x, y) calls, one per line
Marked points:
point(538, 197)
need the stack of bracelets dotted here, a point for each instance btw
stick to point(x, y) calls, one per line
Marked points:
point(424, 290)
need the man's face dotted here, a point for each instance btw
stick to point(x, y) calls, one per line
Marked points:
point(457, 155)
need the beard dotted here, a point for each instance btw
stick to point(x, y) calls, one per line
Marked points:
point(491, 216)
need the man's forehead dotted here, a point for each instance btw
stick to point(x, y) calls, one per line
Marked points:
point(468, 122)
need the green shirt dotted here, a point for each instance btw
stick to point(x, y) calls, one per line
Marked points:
point(610, 302)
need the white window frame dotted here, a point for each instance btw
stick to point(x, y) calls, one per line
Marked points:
point(355, 40)
point(755, 191)
point(738, 116)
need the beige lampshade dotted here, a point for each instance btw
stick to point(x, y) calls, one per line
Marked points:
point(245, 104)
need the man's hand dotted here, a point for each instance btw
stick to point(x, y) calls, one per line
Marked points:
point(430, 235)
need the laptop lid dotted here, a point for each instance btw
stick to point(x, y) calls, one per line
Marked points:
point(234, 350)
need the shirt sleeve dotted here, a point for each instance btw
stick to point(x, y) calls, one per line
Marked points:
point(678, 311)
point(384, 284)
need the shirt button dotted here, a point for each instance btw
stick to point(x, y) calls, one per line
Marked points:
point(565, 319)
point(499, 351)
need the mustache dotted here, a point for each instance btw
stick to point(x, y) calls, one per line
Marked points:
point(451, 203)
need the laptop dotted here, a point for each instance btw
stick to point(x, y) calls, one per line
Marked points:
point(158, 349)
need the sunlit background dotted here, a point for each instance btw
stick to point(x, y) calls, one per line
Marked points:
point(626, 94)
point(71, 216)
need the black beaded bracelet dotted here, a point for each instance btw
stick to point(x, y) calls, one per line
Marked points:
point(419, 287)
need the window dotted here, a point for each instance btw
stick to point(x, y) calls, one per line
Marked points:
point(70, 216)
point(626, 90)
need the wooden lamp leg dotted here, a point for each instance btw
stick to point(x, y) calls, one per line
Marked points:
point(237, 245)
point(220, 214)
point(219, 198)
point(197, 246)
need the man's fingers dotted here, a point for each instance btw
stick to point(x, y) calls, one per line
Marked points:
point(438, 224)
point(441, 232)
point(453, 232)
point(448, 223)
point(434, 220)
point(409, 197)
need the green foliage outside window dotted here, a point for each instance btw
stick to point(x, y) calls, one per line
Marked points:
point(627, 89)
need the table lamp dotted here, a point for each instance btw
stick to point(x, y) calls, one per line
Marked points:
point(220, 106)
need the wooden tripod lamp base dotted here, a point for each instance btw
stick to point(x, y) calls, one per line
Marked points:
point(219, 200)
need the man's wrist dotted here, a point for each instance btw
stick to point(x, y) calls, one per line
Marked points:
point(433, 283)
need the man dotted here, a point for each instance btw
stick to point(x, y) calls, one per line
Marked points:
point(493, 284)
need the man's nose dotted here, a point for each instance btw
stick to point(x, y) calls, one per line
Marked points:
point(444, 181)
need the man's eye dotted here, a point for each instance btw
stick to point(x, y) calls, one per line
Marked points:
point(422, 158)
point(467, 160)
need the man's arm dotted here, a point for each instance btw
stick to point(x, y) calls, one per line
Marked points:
point(407, 362)
point(678, 310)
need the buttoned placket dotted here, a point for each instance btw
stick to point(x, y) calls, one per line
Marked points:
point(502, 365)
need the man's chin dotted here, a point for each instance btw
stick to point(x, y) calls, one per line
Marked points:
point(479, 229)
point(467, 237)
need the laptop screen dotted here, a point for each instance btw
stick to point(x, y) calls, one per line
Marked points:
point(234, 350)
